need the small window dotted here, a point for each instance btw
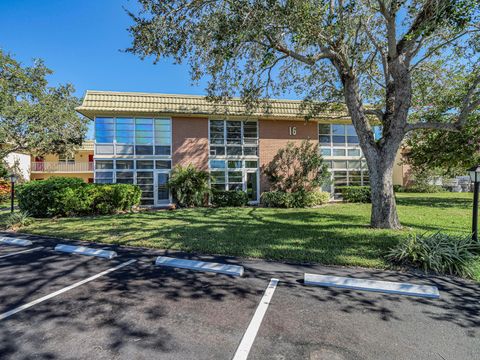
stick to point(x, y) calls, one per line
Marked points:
point(353, 152)
point(124, 164)
point(250, 151)
point(104, 149)
point(251, 164)
point(339, 164)
point(144, 150)
point(324, 139)
point(326, 152)
point(163, 164)
point(66, 159)
point(103, 164)
point(338, 140)
point(235, 177)
point(125, 177)
point(144, 164)
point(234, 150)
point(339, 152)
point(235, 164)
point(217, 164)
point(162, 150)
point(124, 149)
point(338, 129)
point(218, 177)
point(324, 129)
point(217, 150)
point(354, 164)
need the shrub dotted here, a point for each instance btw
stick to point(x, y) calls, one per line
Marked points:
point(189, 186)
point(229, 198)
point(357, 194)
point(298, 199)
point(5, 189)
point(297, 167)
point(17, 220)
point(423, 188)
point(45, 198)
point(69, 196)
point(442, 253)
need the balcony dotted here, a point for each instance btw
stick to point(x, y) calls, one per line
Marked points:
point(61, 167)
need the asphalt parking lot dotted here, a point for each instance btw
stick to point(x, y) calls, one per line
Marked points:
point(141, 311)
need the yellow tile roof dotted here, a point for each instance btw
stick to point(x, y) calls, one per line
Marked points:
point(133, 103)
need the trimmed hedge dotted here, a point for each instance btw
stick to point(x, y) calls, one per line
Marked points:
point(356, 194)
point(229, 198)
point(298, 199)
point(421, 188)
point(59, 196)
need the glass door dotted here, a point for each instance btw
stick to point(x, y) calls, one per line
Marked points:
point(252, 186)
point(162, 193)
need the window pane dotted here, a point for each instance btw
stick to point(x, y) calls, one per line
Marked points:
point(124, 130)
point(324, 129)
point(338, 140)
point(162, 150)
point(144, 164)
point(339, 152)
point(104, 175)
point(235, 177)
point(144, 150)
point(353, 152)
point(104, 149)
point(124, 164)
point(338, 129)
point(250, 164)
point(163, 132)
point(220, 187)
point(354, 164)
point(324, 139)
point(144, 131)
point(163, 164)
point(217, 132)
point(326, 152)
point(103, 164)
point(218, 177)
point(234, 164)
point(339, 164)
point(217, 164)
point(235, 187)
point(217, 150)
point(104, 181)
point(234, 150)
point(124, 149)
point(125, 175)
point(104, 130)
point(250, 150)
point(351, 130)
point(352, 140)
point(234, 132)
point(249, 131)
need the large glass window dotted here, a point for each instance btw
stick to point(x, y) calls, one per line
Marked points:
point(104, 130)
point(144, 131)
point(124, 130)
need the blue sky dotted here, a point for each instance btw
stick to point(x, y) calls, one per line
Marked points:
point(81, 41)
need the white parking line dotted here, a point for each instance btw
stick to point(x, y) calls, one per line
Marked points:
point(61, 291)
point(249, 337)
point(21, 252)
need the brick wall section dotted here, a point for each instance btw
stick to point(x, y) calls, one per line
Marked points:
point(274, 134)
point(190, 142)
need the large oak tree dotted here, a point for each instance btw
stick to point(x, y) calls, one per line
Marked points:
point(34, 117)
point(359, 52)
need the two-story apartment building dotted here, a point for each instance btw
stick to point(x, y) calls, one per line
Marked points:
point(139, 137)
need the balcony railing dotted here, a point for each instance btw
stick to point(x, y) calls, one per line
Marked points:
point(61, 167)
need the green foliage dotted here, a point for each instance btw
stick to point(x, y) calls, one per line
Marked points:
point(189, 186)
point(442, 253)
point(59, 196)
point(357, 194)
point(298, 199)
point(34, 117)
point(229, 198)
point(17, 220)
point(297, 168)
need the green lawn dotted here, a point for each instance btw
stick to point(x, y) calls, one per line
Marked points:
point(333, 234)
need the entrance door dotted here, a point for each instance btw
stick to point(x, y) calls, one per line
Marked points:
point(252, 186)
point(162, 193)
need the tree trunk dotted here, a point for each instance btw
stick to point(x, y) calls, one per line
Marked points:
point(380, 155)
point(384, 210)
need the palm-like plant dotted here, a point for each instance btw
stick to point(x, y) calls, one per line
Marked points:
point(189, 186)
